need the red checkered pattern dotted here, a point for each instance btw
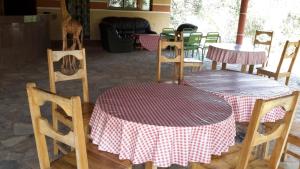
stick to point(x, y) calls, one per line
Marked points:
point(236, 54)
point(240, 91)
point(164, 123)
point(149, 41)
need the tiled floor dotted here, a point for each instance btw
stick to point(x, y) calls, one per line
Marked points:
point(105, 70)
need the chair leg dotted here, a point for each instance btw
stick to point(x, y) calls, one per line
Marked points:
point(265, 150)
point(87, 130)
point(55, 127)
point(224, 66)
point(158, 72)
point(181, 69)
point(287, 79)
point(197, 54)
point(193, 165)
point(214, 65)
point(283, 157)
point(251, 68)
point(200, 67)
point(258, 73)
point(175, 77)
point(244, 68)
point(149, 165)
point(178, 72)
point(193, 53)
point(192, 69)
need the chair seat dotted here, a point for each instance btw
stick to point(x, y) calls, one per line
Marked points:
point(204, 45)
point(96, 160)
point(196, 64)
point(189, 47)
point(266, 71)
point(230, 159)
point(268, 68)
point(271, 71)
point(192, 60)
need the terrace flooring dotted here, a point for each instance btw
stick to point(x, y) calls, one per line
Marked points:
point(105, 70)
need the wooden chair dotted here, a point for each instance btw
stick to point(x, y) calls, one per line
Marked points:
point(177, 58)
point(55, 76)
point(263, 38)
point(240, 157)
point(168, 33)
point(193, 44)
point(84, 156)
point(290, 51)
point(211, 37)
point(294, 139)
point(194, 63)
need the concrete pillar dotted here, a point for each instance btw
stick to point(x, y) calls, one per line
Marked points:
point(242, 22)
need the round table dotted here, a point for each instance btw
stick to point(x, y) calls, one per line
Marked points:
point(240, 90)
point(236, 54)
point(163, 123)
point(148, 41)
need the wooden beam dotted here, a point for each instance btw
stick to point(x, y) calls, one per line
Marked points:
point(162, 8)
point(1, 7)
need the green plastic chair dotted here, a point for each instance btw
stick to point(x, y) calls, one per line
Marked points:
point(193, 43)
point(211, 37)
point(168, 33)
point(186, 32)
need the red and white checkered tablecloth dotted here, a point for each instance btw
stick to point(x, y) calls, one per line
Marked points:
point(236, 54)
point(149, 41)
point(240, 90)
point(164, 123)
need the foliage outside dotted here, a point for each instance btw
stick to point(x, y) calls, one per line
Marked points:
point(280, 16)
point(130, 4)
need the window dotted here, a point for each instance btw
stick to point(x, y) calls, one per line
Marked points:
point(131, 4)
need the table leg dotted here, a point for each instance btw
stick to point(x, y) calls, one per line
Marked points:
point(149, 165)
point(244, 68)
point(176, 71)
point(223, 66)
point(251, 68)
point(214, 65)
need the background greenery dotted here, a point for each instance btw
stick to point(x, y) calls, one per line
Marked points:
point(280, 16)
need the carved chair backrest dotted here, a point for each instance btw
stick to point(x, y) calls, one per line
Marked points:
point(42, 128)
point(278, 133)
point(289, 53)
point(57, 76)
point(177, 58)
point(263, 38)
